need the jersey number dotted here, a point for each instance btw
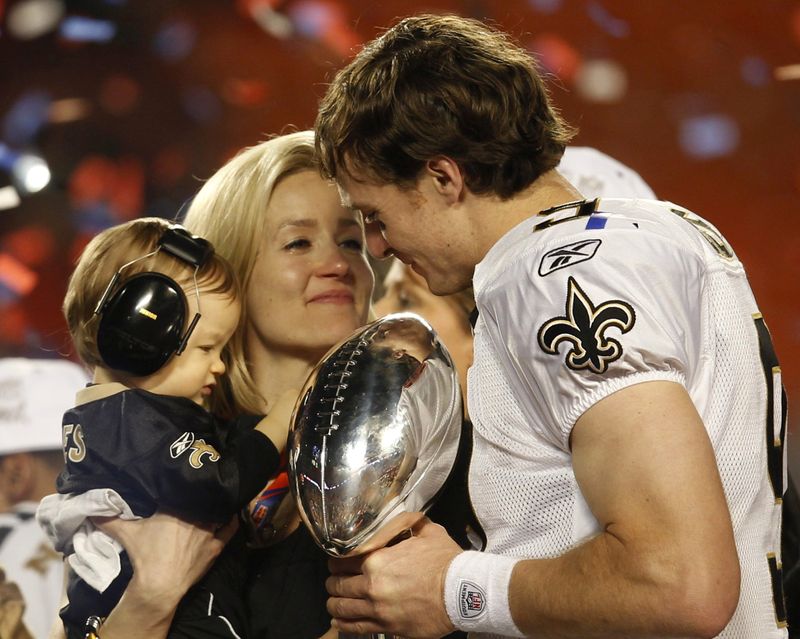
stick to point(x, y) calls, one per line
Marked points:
point(709, 232)
point(564, 213)
point(74, 447)
point(775, 439)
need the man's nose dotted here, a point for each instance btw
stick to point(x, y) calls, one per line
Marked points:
point(377, 245)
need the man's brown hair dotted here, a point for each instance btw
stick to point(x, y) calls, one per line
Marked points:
point(441, 85)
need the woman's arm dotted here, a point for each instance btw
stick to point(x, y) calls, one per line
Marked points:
point(168, 555)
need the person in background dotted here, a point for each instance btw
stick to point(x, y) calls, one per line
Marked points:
point(623, 381)
point(34, 393)
point(597, 174)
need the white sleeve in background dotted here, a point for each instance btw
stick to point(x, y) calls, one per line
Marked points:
point(596, 174)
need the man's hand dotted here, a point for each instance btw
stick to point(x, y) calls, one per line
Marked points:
point(168, 555)
point(398, 589)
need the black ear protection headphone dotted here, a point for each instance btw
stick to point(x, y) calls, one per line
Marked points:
point(142, 319)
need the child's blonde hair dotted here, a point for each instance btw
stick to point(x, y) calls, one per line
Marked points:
point(111, 249)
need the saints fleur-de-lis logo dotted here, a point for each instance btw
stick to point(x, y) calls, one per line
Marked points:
point(585, 326)
point(199, 450)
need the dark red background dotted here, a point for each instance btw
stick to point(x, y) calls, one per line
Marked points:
point(138, 150)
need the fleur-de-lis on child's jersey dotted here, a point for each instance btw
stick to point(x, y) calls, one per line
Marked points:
point(584, 326)
point(199, 449)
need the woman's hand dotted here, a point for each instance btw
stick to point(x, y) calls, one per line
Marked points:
point(168, 556)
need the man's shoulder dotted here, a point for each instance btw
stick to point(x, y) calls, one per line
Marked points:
point(613, 233)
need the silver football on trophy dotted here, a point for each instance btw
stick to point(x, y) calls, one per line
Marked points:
point(375, 434)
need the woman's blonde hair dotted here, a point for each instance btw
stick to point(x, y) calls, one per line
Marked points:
point(229, 211)
point(115, 247)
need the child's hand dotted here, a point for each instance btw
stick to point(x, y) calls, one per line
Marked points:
point(276, 424)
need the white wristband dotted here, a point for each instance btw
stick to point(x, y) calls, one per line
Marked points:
point(476, 593)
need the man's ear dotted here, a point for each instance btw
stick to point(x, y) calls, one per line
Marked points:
point(448, 180)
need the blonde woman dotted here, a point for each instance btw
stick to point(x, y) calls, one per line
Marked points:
point(301, 262)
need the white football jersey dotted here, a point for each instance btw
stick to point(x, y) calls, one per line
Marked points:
point(588, 298)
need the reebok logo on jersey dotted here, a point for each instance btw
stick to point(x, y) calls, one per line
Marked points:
point(585, 326)
point(568, 255)
point(471, 600)
point(181, 445)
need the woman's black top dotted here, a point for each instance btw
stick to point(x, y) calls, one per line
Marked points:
point(286, 594)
